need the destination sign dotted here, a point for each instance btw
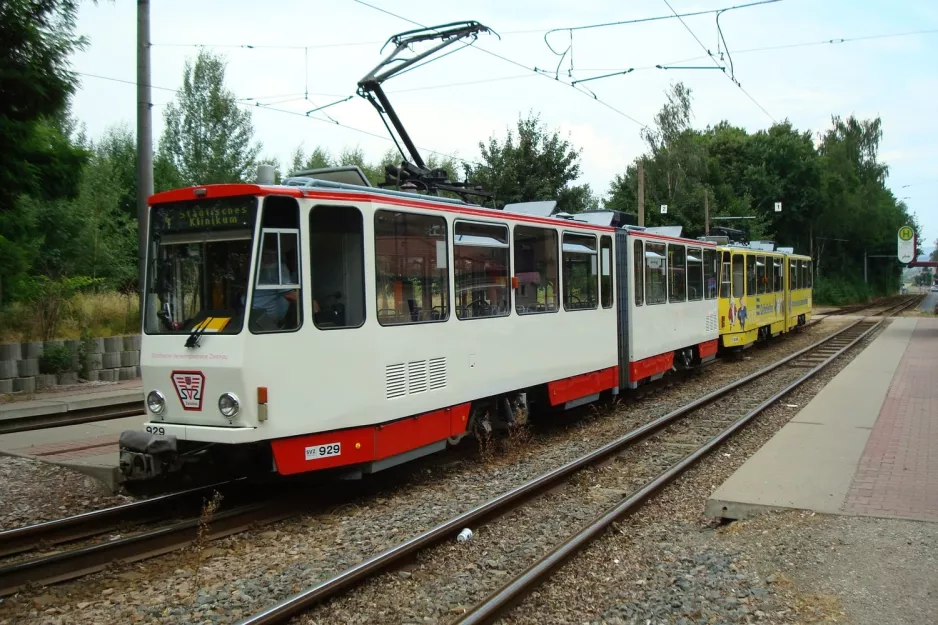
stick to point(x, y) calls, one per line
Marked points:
point(210, 214)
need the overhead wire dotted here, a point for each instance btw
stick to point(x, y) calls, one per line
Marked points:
point(786, 46)
point(251, 46)
point(508, 60)
point(571, 29)
point(244, 102)
point(710, 56)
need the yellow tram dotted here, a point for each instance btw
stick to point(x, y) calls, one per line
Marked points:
point(763, 293)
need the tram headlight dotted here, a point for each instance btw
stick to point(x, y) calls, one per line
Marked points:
point(156, 402)
point(229, 405)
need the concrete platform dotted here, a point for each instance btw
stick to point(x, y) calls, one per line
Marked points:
point(928, 304)
point(867, 444)
point(57, 402)
point(90, 448)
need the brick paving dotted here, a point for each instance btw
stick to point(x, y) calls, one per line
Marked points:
point(898, 472)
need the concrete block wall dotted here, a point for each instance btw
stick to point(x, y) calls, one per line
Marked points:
point(111, 359)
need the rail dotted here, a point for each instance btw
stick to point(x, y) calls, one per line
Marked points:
point(304, 600)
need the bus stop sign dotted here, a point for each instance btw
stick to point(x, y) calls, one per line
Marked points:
point(906, 244)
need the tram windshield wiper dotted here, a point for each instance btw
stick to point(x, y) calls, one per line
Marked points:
point(197, 332)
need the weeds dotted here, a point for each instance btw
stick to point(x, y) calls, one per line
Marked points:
point(486, 444)
point(93, 314)
point(519, 434)
point(209, 508)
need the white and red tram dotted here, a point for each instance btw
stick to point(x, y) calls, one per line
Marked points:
point(317, 324)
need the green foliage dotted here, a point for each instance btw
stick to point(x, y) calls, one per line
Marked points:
point(530, 164)
point(208, 138)
point(835, 205)
point(838, 292)
point(36, 39)
point(50, 300)
point(85, 347)
point(925, 278)
point(55, 358)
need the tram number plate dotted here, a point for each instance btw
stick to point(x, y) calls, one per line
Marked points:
point(323, 451)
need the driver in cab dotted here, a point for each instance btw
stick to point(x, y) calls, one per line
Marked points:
point(273, 302)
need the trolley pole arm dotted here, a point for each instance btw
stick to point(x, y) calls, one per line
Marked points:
point(371, 83)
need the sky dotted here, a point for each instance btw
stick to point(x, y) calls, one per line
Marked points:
point(309, 53)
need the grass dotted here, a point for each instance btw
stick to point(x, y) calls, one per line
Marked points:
point(100, 314)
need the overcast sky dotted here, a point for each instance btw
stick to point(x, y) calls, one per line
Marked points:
point(893, 77)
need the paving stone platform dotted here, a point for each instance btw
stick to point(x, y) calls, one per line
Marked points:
point(867, 444)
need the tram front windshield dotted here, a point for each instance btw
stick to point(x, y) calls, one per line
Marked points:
point(198, 265)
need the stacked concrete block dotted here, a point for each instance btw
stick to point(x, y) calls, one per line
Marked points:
point(44, 382)
point(109, 360)
point(69, 377)
point(10, 355)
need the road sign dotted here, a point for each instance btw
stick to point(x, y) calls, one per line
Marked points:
point(778, 207)
point(906, 244)
point(664, 209)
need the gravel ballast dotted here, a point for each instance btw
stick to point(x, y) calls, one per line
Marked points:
point(241, 574)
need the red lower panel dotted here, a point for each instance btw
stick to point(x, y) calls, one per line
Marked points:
point(709, 348)
point(568, 389)
point(369, 443)
point(641, 369)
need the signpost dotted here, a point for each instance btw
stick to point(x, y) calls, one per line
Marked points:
point(664, 209)
point(906, 245)
point(778, 207)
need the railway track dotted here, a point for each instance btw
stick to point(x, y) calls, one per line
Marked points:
point(247, 510)
point(890, 303)
point(72, 417)
point(701, 425)
point(245, 513)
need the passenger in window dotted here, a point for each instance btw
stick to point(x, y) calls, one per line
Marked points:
point(274, 302)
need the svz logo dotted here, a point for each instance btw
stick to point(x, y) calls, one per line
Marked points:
point(189, 386)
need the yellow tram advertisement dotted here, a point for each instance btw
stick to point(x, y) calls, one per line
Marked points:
point(762, 294)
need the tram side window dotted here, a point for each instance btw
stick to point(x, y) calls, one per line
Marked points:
point(810, 274)
point(739, 276)
point(638, 267)
point(793, 275)
point(656, 268)
point(677, 273)
point(580, 272)
point(277, 303)
point(536, 270)
point(337, 266)
point(710, 273)
point(804, 273)
point(760, 275)
point(779, 275)
point(411, 268)
point(480, 267)
point(695, 280)
point(726, 273)
point(750, 274)
point(605, 271)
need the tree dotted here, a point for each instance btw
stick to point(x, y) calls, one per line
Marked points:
point(531, 164)
point(675, 167)
point(318, 159)
point(208, 138)
point(36, 39)
point(934, 253)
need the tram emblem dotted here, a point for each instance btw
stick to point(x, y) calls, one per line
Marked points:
point(189, 386)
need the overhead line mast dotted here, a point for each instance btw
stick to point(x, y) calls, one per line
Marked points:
point(415, 170)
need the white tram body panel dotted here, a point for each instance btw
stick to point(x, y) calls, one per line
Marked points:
point(319, 380)
point(672, 306)
point(396, 315)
